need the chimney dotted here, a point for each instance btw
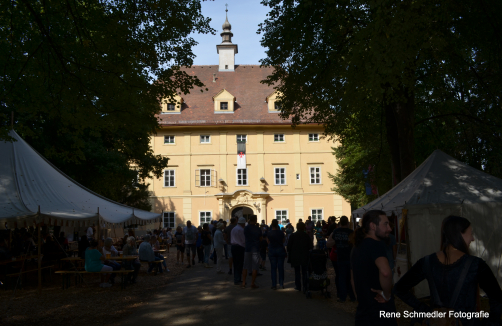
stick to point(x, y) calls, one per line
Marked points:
point(214, 78)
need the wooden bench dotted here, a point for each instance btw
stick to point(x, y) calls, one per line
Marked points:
point(66, 276)
point(31, 271)
point(153, 262)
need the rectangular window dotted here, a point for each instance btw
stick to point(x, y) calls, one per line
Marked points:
point(278, 138)
point(168, 139)
point(205, 217)
point(281, 216)
point(223, 105)
point(315, 175)
point(205, 178)
point(168, 220)
point(169, 178)
point(242, 177)
point(242, 138)
point(277, 106)
point(280, 176)
point(205, 139)
point(313, 137)
point(316, 215)
point(170, 107)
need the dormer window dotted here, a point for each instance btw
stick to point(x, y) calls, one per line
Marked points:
point(172, 105)
point(277, 106)
point(224, 102)
point(274, 103)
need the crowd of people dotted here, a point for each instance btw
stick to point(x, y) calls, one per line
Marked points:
point(363, 258)
point(364, 261)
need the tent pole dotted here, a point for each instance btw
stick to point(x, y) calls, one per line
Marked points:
point(99, 230)
point(39, 252)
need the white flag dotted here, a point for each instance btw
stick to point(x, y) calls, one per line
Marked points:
point(241, 160)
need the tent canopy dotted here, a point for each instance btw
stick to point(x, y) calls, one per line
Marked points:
point(28, 182)
point(444, 186)
point(440, 179)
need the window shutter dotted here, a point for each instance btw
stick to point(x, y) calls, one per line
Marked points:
point(197, 178)
point(213, 178)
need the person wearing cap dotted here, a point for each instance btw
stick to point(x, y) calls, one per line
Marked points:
point(238, 241)
point(219, 242)
point(253, 237)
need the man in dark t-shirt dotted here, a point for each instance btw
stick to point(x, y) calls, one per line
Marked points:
point(371, 274)
point(252, 234)
point(343, 248)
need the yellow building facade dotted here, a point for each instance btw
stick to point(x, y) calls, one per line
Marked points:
point(286, 174)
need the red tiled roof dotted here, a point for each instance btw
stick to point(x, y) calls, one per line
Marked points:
point(244, 83)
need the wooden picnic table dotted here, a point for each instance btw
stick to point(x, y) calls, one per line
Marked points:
point(124, 258)
point(72, 252)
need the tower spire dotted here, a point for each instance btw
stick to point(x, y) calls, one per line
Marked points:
point(226, 49)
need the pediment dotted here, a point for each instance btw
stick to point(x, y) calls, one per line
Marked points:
point(223, 95)
point(273, 96)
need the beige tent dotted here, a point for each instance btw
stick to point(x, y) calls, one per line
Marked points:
point(443, 186)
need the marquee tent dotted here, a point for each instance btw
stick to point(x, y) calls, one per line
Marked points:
point(439, 187)
point(31, 187)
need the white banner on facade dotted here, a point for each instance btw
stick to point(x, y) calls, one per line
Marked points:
point(241, 160)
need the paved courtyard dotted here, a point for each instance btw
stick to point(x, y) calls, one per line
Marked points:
point(201, 297)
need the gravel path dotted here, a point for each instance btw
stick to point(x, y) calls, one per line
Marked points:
point(201, 297)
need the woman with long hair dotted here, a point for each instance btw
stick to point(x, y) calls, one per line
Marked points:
point(276, 253)
point(453, 276)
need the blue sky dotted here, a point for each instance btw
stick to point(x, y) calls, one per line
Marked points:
point(244, 16)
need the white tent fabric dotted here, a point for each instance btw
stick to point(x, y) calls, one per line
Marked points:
point(443, 186)
point(439, 179)
point(29, 182)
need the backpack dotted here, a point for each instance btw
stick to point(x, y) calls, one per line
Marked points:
point(189, 234)
point(446, 321)
point(332, 254)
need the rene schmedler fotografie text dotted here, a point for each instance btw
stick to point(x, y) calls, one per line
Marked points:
point(435, 314)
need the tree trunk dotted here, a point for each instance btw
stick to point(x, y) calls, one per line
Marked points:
point(399, 122)
point(392, 141)
point(404, 113)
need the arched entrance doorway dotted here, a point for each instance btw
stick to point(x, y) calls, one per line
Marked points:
point(245, 211)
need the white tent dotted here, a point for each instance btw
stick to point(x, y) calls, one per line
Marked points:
point(443, 186)
point(30, 186)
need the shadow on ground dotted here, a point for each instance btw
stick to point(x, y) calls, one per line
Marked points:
point(201, 297)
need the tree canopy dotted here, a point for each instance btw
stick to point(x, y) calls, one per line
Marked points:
point(85, 78)
point(391, 81)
